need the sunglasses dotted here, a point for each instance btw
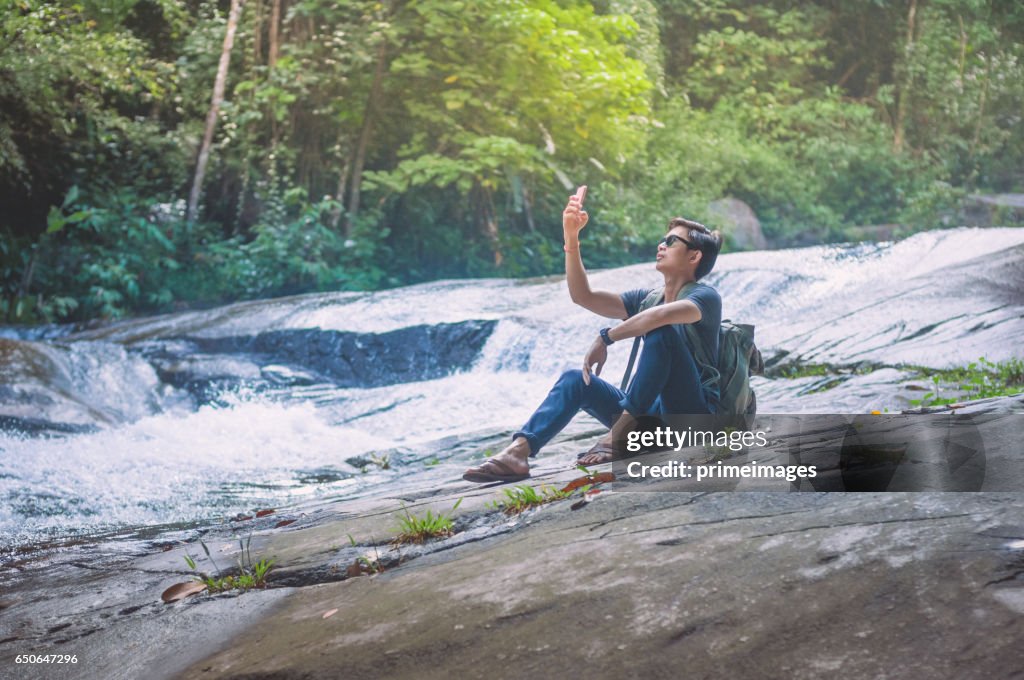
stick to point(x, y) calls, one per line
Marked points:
point(672, 239)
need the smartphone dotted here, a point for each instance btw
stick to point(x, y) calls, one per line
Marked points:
point(581, 193)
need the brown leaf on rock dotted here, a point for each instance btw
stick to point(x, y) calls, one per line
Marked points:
point(264, 513)
point(354, 569)
point(599, 478)
point(179, 591)
point(284, 523)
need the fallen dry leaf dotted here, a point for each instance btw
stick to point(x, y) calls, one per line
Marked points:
point(599, 478)
point(330, 612)
point(179, 591)
point(264, 513)
point(354, 569)
point(284, 523)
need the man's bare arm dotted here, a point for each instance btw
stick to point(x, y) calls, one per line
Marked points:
point(574, 218)
point(680, 311)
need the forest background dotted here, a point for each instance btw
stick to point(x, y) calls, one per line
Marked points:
point(162, 154)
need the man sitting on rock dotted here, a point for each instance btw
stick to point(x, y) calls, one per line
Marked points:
point(667, 379)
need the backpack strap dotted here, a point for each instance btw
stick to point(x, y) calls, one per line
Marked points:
point(709, 374)
point(629, 366)
point(652, 300)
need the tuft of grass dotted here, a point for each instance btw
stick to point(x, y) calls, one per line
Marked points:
point(250, 574)
point(256, 577)
point(980, 379)
point(367, 565)
point(801, 371)
point(414, 529)
point(523, 497)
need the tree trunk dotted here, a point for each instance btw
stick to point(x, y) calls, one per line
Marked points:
point(275, 20)
point(340, 197)
point(364, 136)
point(257, 33)
point(528, 209)
point(976, 137)
point(903, 105)
point(489, 222)
point(215, 102)
point(273, 48)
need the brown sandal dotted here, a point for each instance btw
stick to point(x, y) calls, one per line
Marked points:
point(606, 451)
point(493, 470)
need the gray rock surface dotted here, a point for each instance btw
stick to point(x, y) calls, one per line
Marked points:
point(737, 220)
point(743, 585)
point(634, 584)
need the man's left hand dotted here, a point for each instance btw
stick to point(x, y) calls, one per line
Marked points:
point(597, 354)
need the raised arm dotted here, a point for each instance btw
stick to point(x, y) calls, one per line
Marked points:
point(574, 218)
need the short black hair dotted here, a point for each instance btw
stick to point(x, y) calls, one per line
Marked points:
point(708, 242)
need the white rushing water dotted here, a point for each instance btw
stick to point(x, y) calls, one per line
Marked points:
point(936, 299)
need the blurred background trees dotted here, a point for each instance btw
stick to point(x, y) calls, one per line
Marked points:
point(366, 144)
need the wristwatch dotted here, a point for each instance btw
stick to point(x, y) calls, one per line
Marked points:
point(605, 337)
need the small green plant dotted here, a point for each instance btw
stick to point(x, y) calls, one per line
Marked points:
point(413, 529)
point(980, 379)
point(366, 564)
point(523, 497)
point(797, 370)
point(433, 461)
point(383, 462)
point(250, 574)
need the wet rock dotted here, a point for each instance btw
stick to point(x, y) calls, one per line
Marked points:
point(59, 388)
point(363, 359)
point(938, 299)
point(38, 426)
point(285, 376)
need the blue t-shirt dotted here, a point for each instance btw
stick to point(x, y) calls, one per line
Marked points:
point(707, 300)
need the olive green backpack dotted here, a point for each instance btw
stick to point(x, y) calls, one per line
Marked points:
point(738, 359)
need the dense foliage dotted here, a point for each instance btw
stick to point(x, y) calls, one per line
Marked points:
point(362, 144)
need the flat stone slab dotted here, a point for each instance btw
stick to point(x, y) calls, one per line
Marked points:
point(640, 585)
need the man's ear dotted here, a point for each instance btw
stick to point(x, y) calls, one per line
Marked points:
point(696, 255)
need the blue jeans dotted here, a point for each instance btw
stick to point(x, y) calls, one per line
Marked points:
point(667, 380)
